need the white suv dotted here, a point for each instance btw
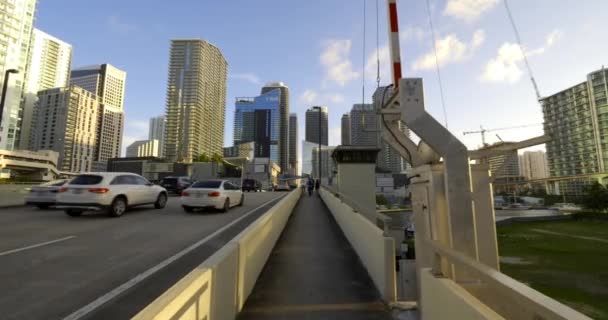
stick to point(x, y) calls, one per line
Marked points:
point(111, 191)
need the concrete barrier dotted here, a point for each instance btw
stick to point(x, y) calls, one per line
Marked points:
point(219, 287)
point(442, 298)
point(12, 195)
point(377, 252)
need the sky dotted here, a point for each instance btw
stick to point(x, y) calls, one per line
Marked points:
point(316, 47)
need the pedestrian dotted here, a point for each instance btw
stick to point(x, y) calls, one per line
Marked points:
point(310, 186)
point(317, 185)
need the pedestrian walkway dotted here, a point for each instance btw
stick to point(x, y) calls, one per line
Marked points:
point(313, 273)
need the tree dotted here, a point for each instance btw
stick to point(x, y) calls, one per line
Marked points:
point(216, 157)
point(203, 158)
point(381, 200)
point(595, 197)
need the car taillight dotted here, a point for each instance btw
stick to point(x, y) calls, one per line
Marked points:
point(62, 189)
point(214, 194)
point(99, 190)
point(185, 194)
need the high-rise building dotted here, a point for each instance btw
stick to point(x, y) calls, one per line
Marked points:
point(16, 32)
point(196, 100)
point(144, 148)
point(66, 123)
point(307, 153)
point(108, 83)
point(258, 120)
point(157, 132)
point(505, 165)
point(283, 121)
point(363, 130)
point(328, 165)
point(240, 150)
point(345, 128)
point(48, 67)
point(293, 143)
point(533, 165)
point(316, 125)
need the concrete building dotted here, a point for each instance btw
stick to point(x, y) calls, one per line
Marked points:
point(35, 165)
point(307, 149)
point(577, 118)
point(363, 130)
point(316, 125)
point(283, 121)
point(49, 67)
point(66, 123)
point(328, 165)
point(293, 144)
point(156, 131)
point(533, 165)
point(108, 84)
point(144, 148)
point(16, 32)
point(241, 150)
point(196, 100)
point(504, 165)
point(345, 129)
point(257, 120)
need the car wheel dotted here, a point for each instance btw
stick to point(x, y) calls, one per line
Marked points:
point(118, 207)
point(242, 200)
point(73, 212)
point(226, 205)
point(161, 201)
point(42, 206)
point(188, 209)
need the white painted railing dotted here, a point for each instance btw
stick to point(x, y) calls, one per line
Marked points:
point(376, 251)
point(506, 296)
point(219, 287)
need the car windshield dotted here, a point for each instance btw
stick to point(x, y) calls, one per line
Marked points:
point(54, 183)
point(86, 179)
point(209, 184)
point(168, 181)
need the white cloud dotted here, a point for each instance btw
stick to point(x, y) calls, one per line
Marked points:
point(468, 10)
point(450, 49)
point(308, 97)
point(413, 32)
point(117, 25)
point(335, 59)
point(251, 77)
point(335, 98)
point(371, 66)
point(505, 67)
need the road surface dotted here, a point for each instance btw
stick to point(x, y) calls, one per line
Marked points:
point(53, 266)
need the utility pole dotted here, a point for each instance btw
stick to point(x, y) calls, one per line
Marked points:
point(4, 89)
point(320, 135)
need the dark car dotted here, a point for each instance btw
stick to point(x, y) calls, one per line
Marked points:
point(175, 184)
point(251, 185)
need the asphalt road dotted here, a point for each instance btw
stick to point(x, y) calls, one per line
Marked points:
point(52, 265)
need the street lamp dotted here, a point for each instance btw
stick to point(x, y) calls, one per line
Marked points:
point(4, 89)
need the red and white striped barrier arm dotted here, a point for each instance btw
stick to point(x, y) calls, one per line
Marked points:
point(393, 30)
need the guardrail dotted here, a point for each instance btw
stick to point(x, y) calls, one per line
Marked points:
point(376, 251)
point(14, 194)
point(506, 296)
point(219, 287)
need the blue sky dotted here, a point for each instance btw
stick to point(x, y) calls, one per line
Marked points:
point(315, 47)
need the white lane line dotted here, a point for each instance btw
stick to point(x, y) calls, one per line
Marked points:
point(80, 313)
point(35, 246)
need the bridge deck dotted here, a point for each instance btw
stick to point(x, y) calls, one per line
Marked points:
point(314, 273)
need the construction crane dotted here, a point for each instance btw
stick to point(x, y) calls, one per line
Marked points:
point(484, 131)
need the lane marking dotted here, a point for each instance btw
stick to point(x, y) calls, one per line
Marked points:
point(35, 246)
point(80, 313)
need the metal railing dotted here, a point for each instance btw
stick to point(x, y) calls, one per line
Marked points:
point(503, 294)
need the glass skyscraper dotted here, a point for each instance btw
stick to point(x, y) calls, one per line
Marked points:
point(257, 120)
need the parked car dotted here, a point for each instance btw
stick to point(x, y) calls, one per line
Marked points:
point(282, 186)
point(113, 192)
point(175, 184)
point(218, 194)
point(252, 185)
point(45, 195)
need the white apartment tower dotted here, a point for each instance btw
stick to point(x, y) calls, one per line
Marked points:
point(196, 100)
point(48, 67)
point(108, 83)
point(65, 123)
point(143, 148)
point(15, 34)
